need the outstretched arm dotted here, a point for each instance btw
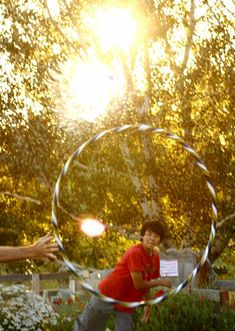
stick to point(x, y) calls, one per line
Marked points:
point(42, 248)
point(141, 284)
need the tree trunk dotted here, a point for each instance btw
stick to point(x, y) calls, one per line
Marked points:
point(226, 232)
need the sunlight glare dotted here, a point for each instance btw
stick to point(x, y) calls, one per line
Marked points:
point(92, 86)
point(92, 227)
point(115, 28)
point(53, 7)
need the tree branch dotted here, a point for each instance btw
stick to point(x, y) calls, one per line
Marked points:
point(135, 179)
point(68, 42)
point(190, 36)
point(153, 186)
point(221, 243)
point(20, 197)
point(221, 223)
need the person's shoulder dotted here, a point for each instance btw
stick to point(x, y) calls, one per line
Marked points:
point(156, 253)
point(135, 249)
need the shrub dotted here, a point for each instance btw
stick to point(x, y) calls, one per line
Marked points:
point(187, 312)
point(22, 310)
point(67, 310)
point(226, 319)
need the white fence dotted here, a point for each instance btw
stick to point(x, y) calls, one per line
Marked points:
point(177, 263)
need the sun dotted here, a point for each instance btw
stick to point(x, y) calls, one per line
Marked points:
point(92, 83)
point(115, 28)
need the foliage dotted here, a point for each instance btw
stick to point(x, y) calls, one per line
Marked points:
point(188, 89)
point(189, 313)
point(22, 310)
point(29, 140)
point(67, 311)
point(225, 265)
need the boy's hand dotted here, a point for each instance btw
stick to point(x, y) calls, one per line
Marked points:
point(166, 282)
point(146, 315)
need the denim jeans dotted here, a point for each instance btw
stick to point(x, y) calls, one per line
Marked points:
point(97, 312)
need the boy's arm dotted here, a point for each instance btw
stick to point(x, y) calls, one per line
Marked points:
point(141, 284)
point(147, 309)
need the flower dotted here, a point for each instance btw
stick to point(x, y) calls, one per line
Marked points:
point(69, 301)
point(57, 301)
point(159, 293)
point(202, 298)
point(22, 310)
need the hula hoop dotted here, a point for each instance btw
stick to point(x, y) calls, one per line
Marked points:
point(55, 203)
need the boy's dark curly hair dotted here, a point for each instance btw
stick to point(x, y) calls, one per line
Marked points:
point(154, 226)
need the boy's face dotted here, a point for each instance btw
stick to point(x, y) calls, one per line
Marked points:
point(150, 240)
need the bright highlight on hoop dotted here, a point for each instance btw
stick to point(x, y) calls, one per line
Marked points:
point(92, 227)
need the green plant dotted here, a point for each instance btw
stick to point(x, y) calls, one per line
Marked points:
point(187, 312)
point(67, 309)
point(226, 319)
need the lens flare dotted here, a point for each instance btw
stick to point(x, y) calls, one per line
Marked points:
point(92, 227)
point(87, 89)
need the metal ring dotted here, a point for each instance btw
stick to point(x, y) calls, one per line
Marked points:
point(143, 128)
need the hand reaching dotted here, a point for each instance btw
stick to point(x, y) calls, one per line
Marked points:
point(44, 248)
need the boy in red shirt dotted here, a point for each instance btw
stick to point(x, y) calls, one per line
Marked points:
point(132, 278)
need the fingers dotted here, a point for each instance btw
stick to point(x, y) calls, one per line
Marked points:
point(47, 235)
point(167, 282)
point(145, 318)
point(47, 238)
point(51, 257)
point(53, 247)
point(44, 247)
point(146, 315)
point(50, 248)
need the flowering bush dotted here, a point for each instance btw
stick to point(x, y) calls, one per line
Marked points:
point(22, 310)
point(67, 309)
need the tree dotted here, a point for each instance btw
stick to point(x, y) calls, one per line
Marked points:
point(29, 139)
point(187, 89)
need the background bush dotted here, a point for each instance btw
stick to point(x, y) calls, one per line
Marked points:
point(22, 310)
point(189, 313)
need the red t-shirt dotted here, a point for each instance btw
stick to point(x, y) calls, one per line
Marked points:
point(119, 285)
